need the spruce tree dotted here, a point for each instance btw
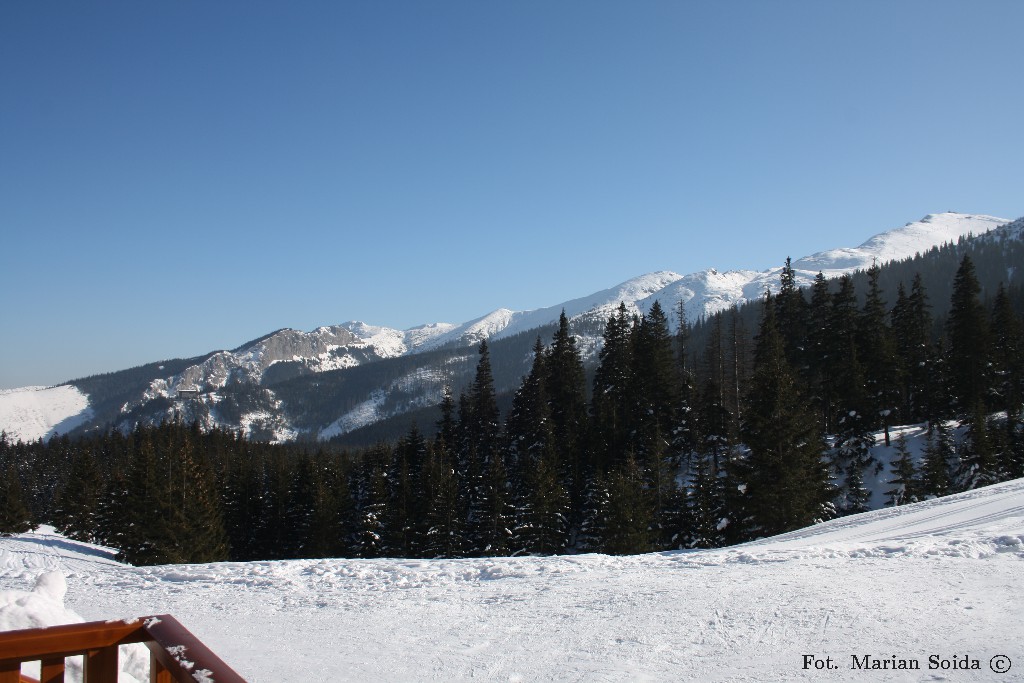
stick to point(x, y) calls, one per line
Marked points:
point(407, 496)
point(446, 512)
point(911, 330)
point(905, 485)
point(936, 478)
point(77, 510)
point(611, 408)
point(967, 332)
point(787, 481)
point(1007, 354)
point(491, 506)
point(819, 347)
point(704, 504)
point(626, 517)
point(877, 352)
point(791, 314)
point(14, 515)
point(565, 386)
point(978, 466)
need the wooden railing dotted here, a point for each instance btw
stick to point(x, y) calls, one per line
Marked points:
point(175, 654)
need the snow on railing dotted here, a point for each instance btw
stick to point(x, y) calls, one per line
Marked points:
point(175, 654)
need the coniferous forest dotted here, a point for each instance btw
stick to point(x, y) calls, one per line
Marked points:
point(663, 446)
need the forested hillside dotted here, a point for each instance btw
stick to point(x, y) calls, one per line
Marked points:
point(663, 448)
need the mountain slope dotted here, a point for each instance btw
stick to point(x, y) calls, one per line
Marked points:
point(256, 387)
point(932, 579)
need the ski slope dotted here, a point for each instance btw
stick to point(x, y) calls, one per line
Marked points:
point(938, 578)
point(32, 413)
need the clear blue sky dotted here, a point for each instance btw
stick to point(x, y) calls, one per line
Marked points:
point(183, 176)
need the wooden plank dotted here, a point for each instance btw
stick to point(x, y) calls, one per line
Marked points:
point(52, 670)
point(10, 670)
point(182, 653)
point(158, 673)
point(69, 639)
point(101, 665)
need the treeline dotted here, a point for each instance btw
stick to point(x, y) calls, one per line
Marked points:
point(666, 447)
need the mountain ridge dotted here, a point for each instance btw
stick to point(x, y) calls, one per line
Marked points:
point(214, 392)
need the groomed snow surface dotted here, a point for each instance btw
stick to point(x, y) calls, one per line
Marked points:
point(941, 578)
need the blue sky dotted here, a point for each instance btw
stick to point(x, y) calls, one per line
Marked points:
point(184, 176)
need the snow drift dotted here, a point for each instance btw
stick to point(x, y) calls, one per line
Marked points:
point(937, 579)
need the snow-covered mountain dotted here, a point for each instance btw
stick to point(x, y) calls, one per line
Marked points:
point(932, 584)
point(208, 390)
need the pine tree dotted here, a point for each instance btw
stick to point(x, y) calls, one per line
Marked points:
point(791, 314)
point(565, 386)
point(544, 525)
point(372, 530)
point(911, 328)
point(655, 385)
point(967, 332)
point(407, 496)
point(877, 352)
point(787, 481)
point(819, 346)
point(491, 509)
point(936, 480)
point(856, 497)
point(684, 432)
point(332, 522)
point(200, 535)
point(14, 516)
point(905, 483)
point(147, 513)
point(611, 408)
point(77, 510)
point(446, 511)
point(978, 466)
point(704, 504)
point(627, 512)
point(1007, 354)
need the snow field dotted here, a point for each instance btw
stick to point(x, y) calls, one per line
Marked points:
point(940, 577)
point(32, 413)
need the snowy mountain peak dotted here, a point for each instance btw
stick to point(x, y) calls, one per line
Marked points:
point(903, 242)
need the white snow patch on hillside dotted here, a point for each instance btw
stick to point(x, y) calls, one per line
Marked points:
point(939, 578)
point(601, 303)
point(423, 387)
point(32, 413)
point(900, 243)
point(365, 413)
point(388, 342)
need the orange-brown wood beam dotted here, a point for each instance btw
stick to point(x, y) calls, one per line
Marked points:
point(52, 670)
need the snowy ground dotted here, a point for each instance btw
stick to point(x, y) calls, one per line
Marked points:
point(938, 578)
point(32, 413)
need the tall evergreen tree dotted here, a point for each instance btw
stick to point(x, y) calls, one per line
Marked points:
point(791, 315)
point(446, 509)
point(14, 515)
point(877, 352)
point(904, 481)
point(77, 512)
point(565, 385)
point(1007, 354)
point(611, 408)
point(967, 332)
point(936, 466)
point(787, 481)
point(912, 328)
point(978, 466)
point(627, 512)
point(819, 348)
